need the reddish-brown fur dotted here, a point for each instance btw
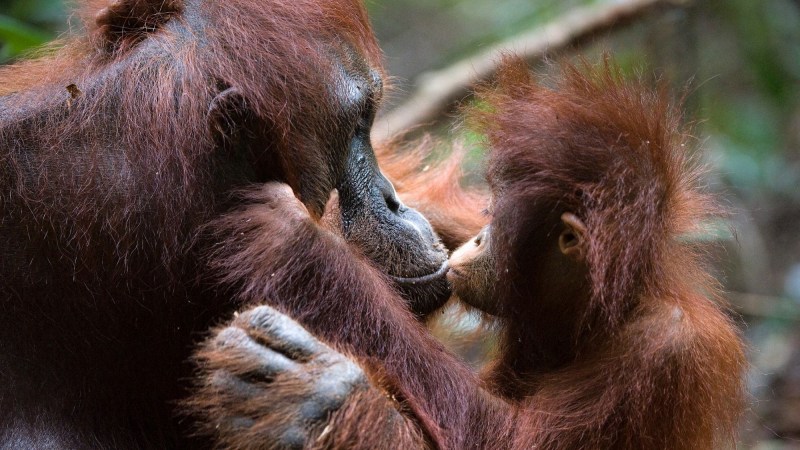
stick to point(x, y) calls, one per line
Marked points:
point(118, 148)
point(650, 358)
point(109, 171)
point(331, 289)
point(647, 359)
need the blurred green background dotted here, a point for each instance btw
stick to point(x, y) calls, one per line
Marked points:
point(741, 61)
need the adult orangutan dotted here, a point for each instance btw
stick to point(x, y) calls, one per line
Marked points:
point(613, 334)
point(119, 147)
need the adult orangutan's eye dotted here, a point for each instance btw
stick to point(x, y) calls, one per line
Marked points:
point(367, 113)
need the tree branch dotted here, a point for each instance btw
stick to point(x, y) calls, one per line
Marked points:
point(437, 91)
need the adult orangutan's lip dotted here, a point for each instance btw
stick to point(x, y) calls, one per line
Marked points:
point(442, 271)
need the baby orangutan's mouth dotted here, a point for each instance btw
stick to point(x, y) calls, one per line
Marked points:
point(440, 273)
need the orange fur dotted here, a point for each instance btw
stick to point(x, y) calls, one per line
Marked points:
point(650, 358)
point(647, 358)
point(112, 163)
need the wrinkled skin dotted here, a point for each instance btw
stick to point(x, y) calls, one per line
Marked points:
point(280, 356)
point(118, 151)
point(345, 303)
point(398, 238)
point(611, 331)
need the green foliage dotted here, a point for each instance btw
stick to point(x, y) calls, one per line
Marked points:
point(27, 24)
point(17, 37)
point(718, 230)
point(752, 96)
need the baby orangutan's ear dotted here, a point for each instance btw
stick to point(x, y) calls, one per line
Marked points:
point(572, 240)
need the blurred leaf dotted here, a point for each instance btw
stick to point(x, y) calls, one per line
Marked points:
point(47, 14)
point(768, 34)
point(791, 285)
point(718, 230)
point(17, 37)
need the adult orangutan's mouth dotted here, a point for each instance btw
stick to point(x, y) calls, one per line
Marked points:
point(440, 273)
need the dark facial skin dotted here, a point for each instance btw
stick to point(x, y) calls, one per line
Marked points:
point(397, 238)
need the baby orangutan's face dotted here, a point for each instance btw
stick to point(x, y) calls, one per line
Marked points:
point(472, 273)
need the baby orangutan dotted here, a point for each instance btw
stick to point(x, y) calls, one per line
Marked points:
point(613, 333)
